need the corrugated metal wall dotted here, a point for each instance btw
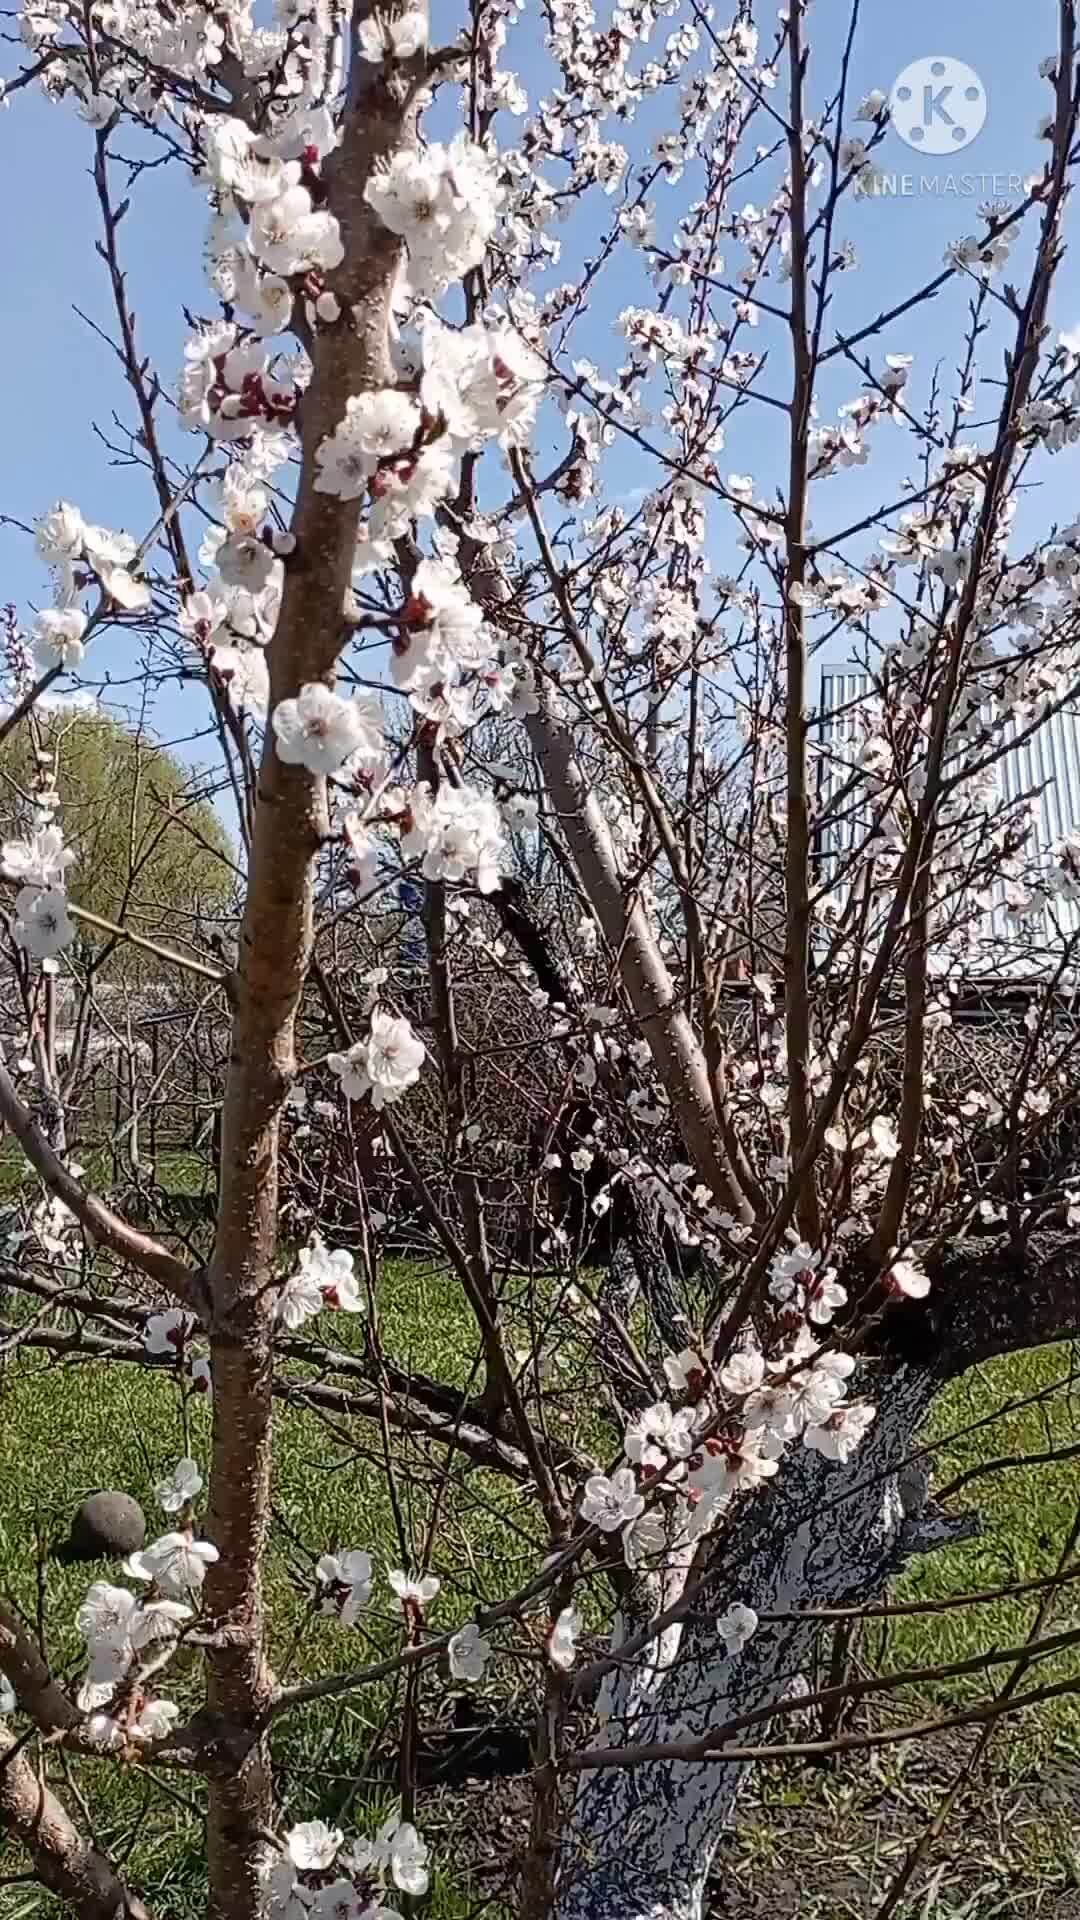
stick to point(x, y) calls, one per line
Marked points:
point(1044, 765)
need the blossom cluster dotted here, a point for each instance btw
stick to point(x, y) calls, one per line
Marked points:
point(653, 608)
point(736, 1421)
point(343, 1588)
point(385, 1064)
point(317, 1877)
point(130, 1636)
point(444, 203)
point(38, 865)
point(76, 554)
point(324, 1277)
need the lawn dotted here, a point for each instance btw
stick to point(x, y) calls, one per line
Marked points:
point(66, 1429)
point(1026, 1514)
point(70, 1428)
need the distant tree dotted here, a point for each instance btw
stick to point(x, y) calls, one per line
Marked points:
point(152, 850)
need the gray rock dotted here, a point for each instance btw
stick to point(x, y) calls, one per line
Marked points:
point(107, 1526)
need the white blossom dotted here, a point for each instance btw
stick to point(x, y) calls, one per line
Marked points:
point(398, 1851)
point(381, 37)
point(182, 1486)
point(59, 537)
point(611, 1504)
point(122, 587)
point(468, 1652)
point(883, 1138)
point(42, 926)
point(444, 202)
point(300, 1297)
point(485, 383)
point(167, 1332)
point(321, 731)
point(385, 1065)
point(117, 1626)
point(562, 1641)
point(456, 835)
point(155, 1721)
point(838, 1436)
point(269, 300)
point(413, 1593)
point(313, 1846)
point(791, 1273)
point(685, 1369)
point(201, 1376)
point(105, 1613)
point(657, 1436)
point(176, 1564)
point(58, 638)
point(341, 1900)
point(814, 1391)
point(742, 1372)
point(824, 1296)
point(288, 236)
point(736, 1627)
point(908, 1278)
point(42, 860)
point(246, 677)
point(376, 427)
point(645, 1538)
point(408, 1856)
point(332, 1269)
point(344, 1581)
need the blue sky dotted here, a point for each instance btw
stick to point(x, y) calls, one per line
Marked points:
point(61, 377)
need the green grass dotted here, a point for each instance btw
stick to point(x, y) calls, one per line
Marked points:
point(66, 1429)
point(182, 1170)
point(13, 1169)
point(179, 1170)
point(1026, 1514)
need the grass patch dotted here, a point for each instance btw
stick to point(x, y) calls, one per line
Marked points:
point(182, 1170)
point(67, 1429)
point(1026, 1513)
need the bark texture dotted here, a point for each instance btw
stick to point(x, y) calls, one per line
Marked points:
point(63, 1860)
point(275, 950)
point(640, 1838)
point(677, 1053)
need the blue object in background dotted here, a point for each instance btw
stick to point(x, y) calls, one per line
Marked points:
point(413, 949)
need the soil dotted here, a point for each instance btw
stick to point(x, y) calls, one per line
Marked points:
point(825, 1843)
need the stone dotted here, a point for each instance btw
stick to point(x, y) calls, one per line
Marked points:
point(107, 1526)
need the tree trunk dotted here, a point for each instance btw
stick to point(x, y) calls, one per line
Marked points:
point(640, 1839)
point(275, 949)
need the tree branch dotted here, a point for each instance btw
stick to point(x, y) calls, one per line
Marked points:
point(63, 1861)
point(102, 1224)
point(987, 1299)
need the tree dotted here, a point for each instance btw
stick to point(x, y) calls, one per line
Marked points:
point(782, 1088)
point(158, 880)
point(153, 850)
